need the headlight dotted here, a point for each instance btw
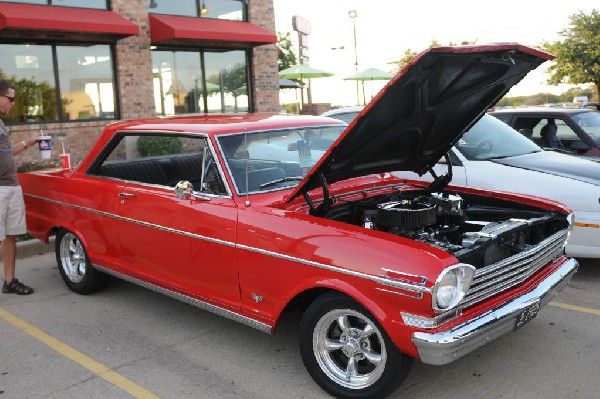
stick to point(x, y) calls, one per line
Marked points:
point(451, 286)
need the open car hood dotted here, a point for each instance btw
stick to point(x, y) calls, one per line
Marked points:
point(423, 111)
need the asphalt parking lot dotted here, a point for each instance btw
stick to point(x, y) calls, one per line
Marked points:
point(126, 341)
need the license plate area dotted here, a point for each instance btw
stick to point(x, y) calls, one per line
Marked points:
point(527, 315)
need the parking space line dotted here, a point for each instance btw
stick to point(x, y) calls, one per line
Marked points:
point(95, 367)
point(575, 308)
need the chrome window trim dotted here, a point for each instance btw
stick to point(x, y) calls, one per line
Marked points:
point(223, 135)
point(120, 134)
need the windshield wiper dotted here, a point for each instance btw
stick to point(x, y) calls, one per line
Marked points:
point(277, 181)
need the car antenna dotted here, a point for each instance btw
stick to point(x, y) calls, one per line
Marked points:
point(247, 153)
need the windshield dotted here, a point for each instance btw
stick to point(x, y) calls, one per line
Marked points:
point(490, 138)
point(276, 159)
point(590, 122)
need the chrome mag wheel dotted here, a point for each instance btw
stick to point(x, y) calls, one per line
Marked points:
point(72, 258)
point(349, 348)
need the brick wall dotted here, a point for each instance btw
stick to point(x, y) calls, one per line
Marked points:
point(76, 137)
point(266, 73)
point(133, 62)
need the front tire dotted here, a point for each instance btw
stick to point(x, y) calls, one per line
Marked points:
point(74, 265)
point(347, 352)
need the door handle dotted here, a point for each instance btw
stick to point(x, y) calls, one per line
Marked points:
point(126, 195)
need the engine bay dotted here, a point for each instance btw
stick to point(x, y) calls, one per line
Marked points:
point(476, 230)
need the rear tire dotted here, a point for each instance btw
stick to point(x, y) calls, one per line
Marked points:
point(347, 352)
point(74, 265)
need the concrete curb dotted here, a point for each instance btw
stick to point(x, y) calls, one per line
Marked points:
point(29, 248)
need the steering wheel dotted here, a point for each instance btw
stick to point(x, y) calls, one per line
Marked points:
point(484, 147)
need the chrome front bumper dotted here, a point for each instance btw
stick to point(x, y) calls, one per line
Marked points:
point(446, 346)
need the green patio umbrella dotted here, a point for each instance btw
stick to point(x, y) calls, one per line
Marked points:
point(303, 71)
point(370, 74)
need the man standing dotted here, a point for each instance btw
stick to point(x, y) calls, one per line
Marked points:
point(12, 207)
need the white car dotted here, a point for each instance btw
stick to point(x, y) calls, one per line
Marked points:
point(494, 156)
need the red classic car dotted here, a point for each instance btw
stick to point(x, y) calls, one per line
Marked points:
point(251, 215)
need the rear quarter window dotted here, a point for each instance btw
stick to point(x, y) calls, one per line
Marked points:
point(504, 118)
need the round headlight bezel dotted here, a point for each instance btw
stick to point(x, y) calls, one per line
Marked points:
point(451, 286)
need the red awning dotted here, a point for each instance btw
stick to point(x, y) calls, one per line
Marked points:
point(65, 19)
point(167, 27)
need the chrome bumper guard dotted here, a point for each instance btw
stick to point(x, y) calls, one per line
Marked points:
point(446, 346)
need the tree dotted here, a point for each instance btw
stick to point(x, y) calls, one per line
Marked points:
point(34, 101)
point(285, 55)
point(230, 80)
point(578, 55)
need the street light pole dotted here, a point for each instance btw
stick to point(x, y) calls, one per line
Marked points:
point(352, 14)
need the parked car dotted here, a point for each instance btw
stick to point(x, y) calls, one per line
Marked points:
point(385, 271)
point(592, 105)
point(346, 114)
point(493, 156)
point(576, 131)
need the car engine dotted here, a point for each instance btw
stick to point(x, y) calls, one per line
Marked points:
point(476, 230)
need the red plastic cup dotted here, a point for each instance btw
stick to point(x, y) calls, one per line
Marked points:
point(65, 161)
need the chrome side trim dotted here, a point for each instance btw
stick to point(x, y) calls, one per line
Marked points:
point(378, 279)
point(445, 346)
point(410, 294)
point(151, 225)
point(405, 277)
point(385, 281)
point(192, 301)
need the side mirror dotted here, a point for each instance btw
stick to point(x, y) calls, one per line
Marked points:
point(185, 190)
point(580, 146)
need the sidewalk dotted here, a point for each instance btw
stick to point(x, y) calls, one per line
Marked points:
point(26, 249)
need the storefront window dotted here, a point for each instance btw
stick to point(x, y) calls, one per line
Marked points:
point(29, 67)
point(233, 10)
point(84, 79)
point(98, 4)
point(181, 88)
point(86, 82)
point(177, 82)
point(228, 72)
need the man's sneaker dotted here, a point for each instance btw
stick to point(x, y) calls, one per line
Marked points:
point(16, 287)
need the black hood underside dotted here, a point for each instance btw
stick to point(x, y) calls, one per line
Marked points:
point(423, 111)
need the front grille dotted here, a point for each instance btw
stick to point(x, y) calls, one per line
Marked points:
point(500, 276)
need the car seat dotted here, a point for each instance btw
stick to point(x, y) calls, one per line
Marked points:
point(549, 137)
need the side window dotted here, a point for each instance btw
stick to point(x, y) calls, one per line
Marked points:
point(504, 118)
point(564, 131)
point(529, 126)
point(163, 160)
